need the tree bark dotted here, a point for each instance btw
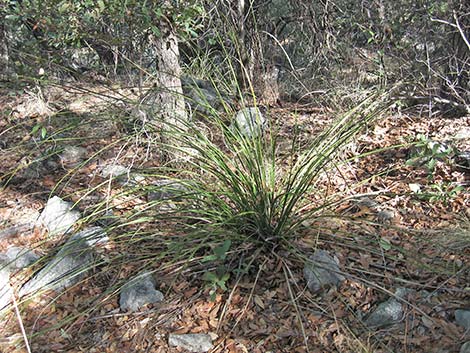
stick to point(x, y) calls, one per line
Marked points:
point(165, 103)
point(269, 86)
point(170, 94)
point(4, 55)
point(242, 63)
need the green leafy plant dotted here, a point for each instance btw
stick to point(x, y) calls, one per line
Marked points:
point(75, 22)
point(428, 152)
point(216, 280)
point(219, 278)
point(39, 129)
point(220, 252)
point(440, 192)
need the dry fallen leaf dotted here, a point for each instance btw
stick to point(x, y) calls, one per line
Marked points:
point(258, 301)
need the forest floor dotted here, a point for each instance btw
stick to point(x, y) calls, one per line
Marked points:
point(425, 245)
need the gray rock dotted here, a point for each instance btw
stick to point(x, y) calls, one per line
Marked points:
point(58, 216)
point(5, 262)
point(6, 292)
point(389, 312)
point(72, 156)
point(137, 179)
point(465, 347)
point(93, 236)
point(138, 292)
point(322, 271)
point(403, 293)
point(186, 155)
point(166, 190)
point(367, 202)
point(386, 216)
point(20, 257)
point(121, 174)
point(202, 96)
point(249, 122)
point(69, 265)
point(114, 171)
point(193, 342)
point(462, 318)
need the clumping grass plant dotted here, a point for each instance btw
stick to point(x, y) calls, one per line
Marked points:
point(238, 197)
point(245, 187)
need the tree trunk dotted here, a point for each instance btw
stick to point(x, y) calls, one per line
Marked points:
point(254, 73)
point(269, 86)
point(455, 87)
point(4, 57)
point(165, 103)
point(243, 60)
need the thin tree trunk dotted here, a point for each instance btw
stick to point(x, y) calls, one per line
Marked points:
point(170, 94)
point(243, 61)
point(165, 103)
point(4, 56)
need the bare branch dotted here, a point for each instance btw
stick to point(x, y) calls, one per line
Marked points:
point(462, 34)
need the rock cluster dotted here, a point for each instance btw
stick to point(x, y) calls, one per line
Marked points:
point(202, 97)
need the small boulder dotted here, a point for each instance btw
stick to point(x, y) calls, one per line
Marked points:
point(386, 215)
point(166, 190)
point(72, 156)
point(462, 318)
point(193, 342)
point(20, 257)
point(138, 292)
point(58, 216)
point(69, 265)
point(201, 96)
point(6, 292)
point(121, 174)
point(389, 312)
point(465, 347)
point(114, 171)
point(249, 122)
point(386, 314)
point(322, 271)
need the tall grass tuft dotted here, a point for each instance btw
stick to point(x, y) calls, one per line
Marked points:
point(245, 186)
